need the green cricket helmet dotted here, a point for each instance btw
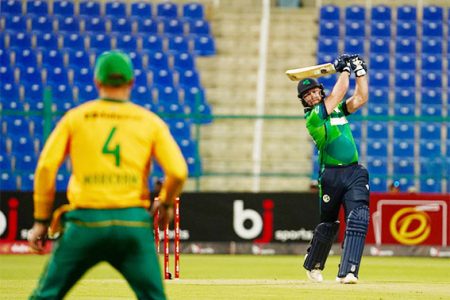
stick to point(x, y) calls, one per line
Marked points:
point(114, 68)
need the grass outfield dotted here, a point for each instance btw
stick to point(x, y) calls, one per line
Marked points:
point(249, 277)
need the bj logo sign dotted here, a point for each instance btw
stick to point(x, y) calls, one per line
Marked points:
point(410, 222)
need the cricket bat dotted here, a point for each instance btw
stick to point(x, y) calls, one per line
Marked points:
point(313, 71)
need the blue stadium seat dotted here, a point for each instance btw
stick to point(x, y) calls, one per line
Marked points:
point(34, 95)
point(406, 29)
point(62, 97)
point(432, 79)
point(430, 185)
point(7, 75)
point(404, 61)
point(177, 44)
point(173, 26)
point(57, 75)
point(403, 148)
point(328, 29)
point(115, 8)
point(405, 79)
point(37, 7)
point(27, 181)
point(22, 144)
point(431, 131)
point(146, 26)
point(433, 166)
point(432, 62)
point(377, 165)
point(5, 57)
point(404, 110)
point(73, 41)
point(158, 60)
point(82, 75)
point(405, 45)
point(431, 110)
point(323, 58)
point(78, 58)
point(11, 104)
point(183, 61)
point(189, 78)
point(403, 130)
point(432, 96)
point(406, 13)
point(30, 75)
point(377, 147)
point(25, 58)
point(355, 28)
point(126, 42)
point(181, 130)
point(9, 92)
point(377, 184)
point(86, 93)
point(194, 166)
point(99, 42)
point(355, 12)
point(188, 146)
point(378, 109)
point(194, 96)
point(25, 163)
point(328, 45)
point(12, 7)
point(379, 95)
point(377, 130)
point(4, 148)
point(432, 29)
point(381, 13)
point(430, 148)
point(8, 181)
point(89, 8)
point(433, 13)
point(136, 59)
point(142, 95)
point(167, 10)
point(5, 162)
point(163, 77)
point(432, 45)
point(63, 8)
point(380, 29)
point(353, 45)
point(19, 40)
point(42, 23)
point(140, 77)
point(152, 43)
point(122, 25)
point(378, 61)
point(94, 24)
point(62, 180)
point(15, 23)
point(167, 95)
point(46, 41)
point(379, 78)
point(68, 24)
point(405, 95)
point(141, 9)
point(403, 166)
point(199, 26)
point(379, 45)
point(52, 58)
point(170, 108)
point(193, 10)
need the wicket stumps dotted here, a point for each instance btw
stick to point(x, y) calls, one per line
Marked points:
point(166, 243)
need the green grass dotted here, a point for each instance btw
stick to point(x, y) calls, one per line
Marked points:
point(250, 277)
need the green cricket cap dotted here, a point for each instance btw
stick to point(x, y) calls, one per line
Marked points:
point(114, 68)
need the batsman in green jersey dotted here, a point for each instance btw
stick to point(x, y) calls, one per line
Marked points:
point(342, 181)
point(111, 143)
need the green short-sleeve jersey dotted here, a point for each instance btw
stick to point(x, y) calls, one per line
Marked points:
point(332, 135)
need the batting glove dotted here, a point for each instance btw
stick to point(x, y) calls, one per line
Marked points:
point(358, 66)
point(341, 63)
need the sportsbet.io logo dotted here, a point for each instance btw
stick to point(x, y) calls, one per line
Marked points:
point(410, 226)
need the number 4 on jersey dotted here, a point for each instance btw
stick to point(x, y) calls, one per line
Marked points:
point(108, 149)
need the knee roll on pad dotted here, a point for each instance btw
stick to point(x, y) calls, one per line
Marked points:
point(355, 236)
point(323, 238)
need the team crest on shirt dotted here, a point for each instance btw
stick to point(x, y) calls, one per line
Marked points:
point(326, 198)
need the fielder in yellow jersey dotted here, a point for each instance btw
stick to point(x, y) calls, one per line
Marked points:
point(111, 143)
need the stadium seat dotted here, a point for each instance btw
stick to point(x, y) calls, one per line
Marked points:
point(78, 58)
point(381, 13)
point(11, 104)
point(82, 75)
point(173, 26)
point(405, 79)
point(354, 28)
point(405, 45)
point(430, 185)
point(25, 58)
point(27, 181)
point(431, 110)
point(405, 95)
point(323, 58)
point(52, 58)
point(5, 162)
point(73, 41)
point(167, 95)
point(177, 44)
point(146, 26)
point(99, 42)
point(378, 109)
point(328, 29)
point(56, 76)
point(377, 184)
point(158, 60)
point(433, 13)
point(188, 78)
point(68, 24)
point(404, 110)
point(37, 7)
point(167, 10)
point(194, 166)
point(170, 108)
point(141, 9)
point(62, 97)
point(140, 76)
point(432, 79)
point(379, 95)
point(9, 92)
point(204, 45)
point(403, 148)
point(403, 130)
point(142, 95)
point(43, 23)
point(432, 96)
point(194, 96)
point(12, 7)
point(406, 29)
point(377, 147)
point(193, 10)
point(432, 29)
point(353, 45)
point(403, 166)
point(430, 149)
point(34, 95)
point(21, 144)
point(25, 163)
point(19, 40)
point(181, 130)
point(8, 181)
point(87, 92)
point(15, 23)
point(183, 61)
point(89, 8)
point(379, 78)
point(431, 131)
point(46, 41)
point(30, 75)
point(94, 24)
point(379, 45)
point(115, 8)
point(199, 26)
point(63, 8)
point(355, 12)
point(432, 62)
point(136, 59)
point(406, 13)
point(120, 25)
point(5, 57)
point(380, 29)
point(377, 130)
point(152, 43)
point(163, 77)
point(377, 165)
point(378, 61)
point(432, 45)
point(7, 75)
point(126, 42)
point(328, 45)
point(404, 61)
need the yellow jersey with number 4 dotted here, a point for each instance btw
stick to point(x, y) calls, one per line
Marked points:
point(111, 145)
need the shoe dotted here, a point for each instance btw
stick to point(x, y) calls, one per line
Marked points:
point(314, 275)
point(349, 279)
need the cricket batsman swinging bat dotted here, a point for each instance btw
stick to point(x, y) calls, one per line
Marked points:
point(313, 71)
